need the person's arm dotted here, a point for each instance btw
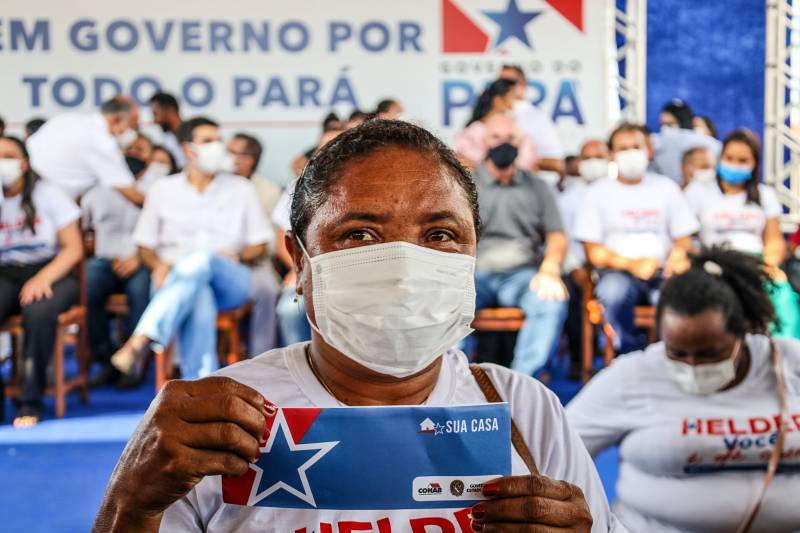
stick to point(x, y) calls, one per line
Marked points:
point(132, 194)
point(40, 286)
point(158, 268)
point(552, 164)
point(601, 257)
point(254, 252)
point(678, 260)
point(774, 249)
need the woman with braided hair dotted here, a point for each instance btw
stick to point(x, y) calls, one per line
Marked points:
point(702, 414)
point(40, 244)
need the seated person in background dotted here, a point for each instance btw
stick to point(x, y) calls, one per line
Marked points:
point(354, 197)
point(356, 118)
point(520, 216)
point(33, 125)
point(115, 268)
point(389, 109)
point(246, 151)
point(705, 126)
point(698, 164)
point(293, 324)
point(571, 171)
point(472, 143)
point(534, 122)
point(677, 135)
point(76, 151)
point(331, 123)
point(167, 116)
point(198, 232)
point(738, 211)
point(40, 245)
point(160, 164)
point(635, 229)
point(696, 415)
point(592, 164)
point(141, 148)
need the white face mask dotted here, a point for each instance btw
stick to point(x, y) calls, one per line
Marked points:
point(393, 307)
point(632, 164)
point(213, 158)
point(10, 171)
point(593, 169)
point(521, 105)
point(707, 378)
point(157, 170)
point(126, 138)
point(705, 175)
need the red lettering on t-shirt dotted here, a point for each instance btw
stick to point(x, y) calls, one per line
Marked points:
point(384, 525)
point(760, 425)
point(350, 526)
point(420, 525)
point(733, 430)
point(796, 420)
point(714, 426)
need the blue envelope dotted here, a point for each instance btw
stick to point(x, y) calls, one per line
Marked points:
point(377, 458)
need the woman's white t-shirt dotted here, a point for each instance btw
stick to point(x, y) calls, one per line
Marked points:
point(54, 211)
point(284, 378)
point(729, 219)
point(695, 463)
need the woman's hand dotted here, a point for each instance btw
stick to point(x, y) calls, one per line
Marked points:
point(35, 289)
point(534, 504)
point(193, 429)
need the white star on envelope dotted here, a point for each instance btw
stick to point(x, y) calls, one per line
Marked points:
point(306, 495)
point(438, 429)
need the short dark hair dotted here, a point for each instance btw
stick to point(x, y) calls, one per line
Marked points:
point(252, 147)
point(627, 127)
point(33, 125)
point(691, 152)
point(186, 132)
point(734, 283)
point(117, 105)
point(331, 122)
point(357, 114)
point(681, 111)
point(324, 168)
point(516, 68)
point(165, 100)
point(384, 105)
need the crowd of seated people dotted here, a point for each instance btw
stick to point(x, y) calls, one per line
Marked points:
point(180, 221)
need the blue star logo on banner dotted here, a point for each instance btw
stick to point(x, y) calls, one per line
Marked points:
point(283, 464)
point(512, 23)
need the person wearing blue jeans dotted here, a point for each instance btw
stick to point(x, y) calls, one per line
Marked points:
point(293, 324)
point(521, 249)
point(198, 233)
point(620, 292)
point(103, 280)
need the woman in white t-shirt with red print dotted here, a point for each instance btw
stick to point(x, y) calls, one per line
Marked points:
point(696, 416)
point(40, 245)
point(739, 211)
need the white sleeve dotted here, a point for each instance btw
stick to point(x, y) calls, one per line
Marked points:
point(282, 214)
point(548, 143)
point(589, 220)
point(108, 166)
point(257, 229)
point(57, 206)
point(147, 227)
point(556, 447)
point(182, 516)
point(598, 412)
point(682, 220)
point(769, 201)
point(694, 195)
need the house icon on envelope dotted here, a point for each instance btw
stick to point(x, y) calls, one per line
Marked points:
point(427, 426)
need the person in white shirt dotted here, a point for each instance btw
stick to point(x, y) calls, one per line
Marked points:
point(593, 165)
point(737, 210)
point(198, 232)
point(167, 115)
point(246, 151)
point(534, 122)
point(115, 267)
point(377, 248)
point(76, 151)
point(635, 229)
point(40, 245)
point(696, 416)
point(698, 164)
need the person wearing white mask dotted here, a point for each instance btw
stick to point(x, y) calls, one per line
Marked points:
point(76, 151)
point(697, 416)
point(40, 245)
point(199, 232)
point(636, 229)
point(384, 229)
point(698, 164)
point(593, 165)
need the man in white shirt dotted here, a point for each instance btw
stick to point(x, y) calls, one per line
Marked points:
point(246, 151)
point(698, 164)
point(535, 122)
point(167, 115)
point(198, 232)
point(635, 229)
point(76, 151)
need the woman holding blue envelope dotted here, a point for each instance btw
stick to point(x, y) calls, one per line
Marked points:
point(384, 230)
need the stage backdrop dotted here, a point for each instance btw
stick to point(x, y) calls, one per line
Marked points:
point(275, 68)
